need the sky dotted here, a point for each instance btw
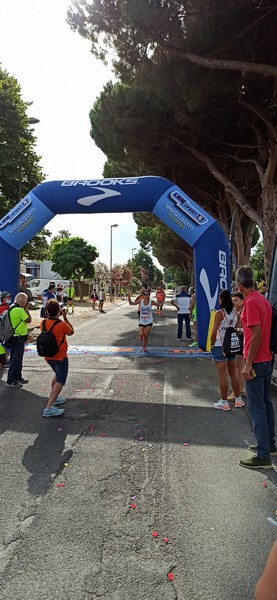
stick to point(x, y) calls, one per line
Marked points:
point(60, 76)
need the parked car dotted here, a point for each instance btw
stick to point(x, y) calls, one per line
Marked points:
point(37, 286)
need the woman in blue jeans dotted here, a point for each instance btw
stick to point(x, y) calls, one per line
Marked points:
point(225, 317)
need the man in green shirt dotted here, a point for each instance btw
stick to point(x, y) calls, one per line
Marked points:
point(70, 293)
point(19, 317)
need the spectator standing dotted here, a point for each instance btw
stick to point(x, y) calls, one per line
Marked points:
point(225, 317)
point(2, 358)
point(256, 318)
point(6, 300)
point(70, 293)
point(237, 299)
point(58, 362)
point(193, 317)
point(19, 316)
point(59, 293)
point(94, 298)
point(48, 294)
point(24, 288)
point(102, 299)
point(182, 302)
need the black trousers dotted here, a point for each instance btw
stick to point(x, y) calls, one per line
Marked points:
point(16, 360)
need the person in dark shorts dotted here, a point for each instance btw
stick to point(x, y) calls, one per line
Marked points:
point(145, 318)
point(58, 362)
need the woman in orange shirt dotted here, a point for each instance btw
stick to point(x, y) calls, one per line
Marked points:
point(58, 362)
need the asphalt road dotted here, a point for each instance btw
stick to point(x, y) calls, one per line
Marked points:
point(71, 533)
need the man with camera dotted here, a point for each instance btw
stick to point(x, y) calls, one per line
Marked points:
point(58, 362)
point(19, 317)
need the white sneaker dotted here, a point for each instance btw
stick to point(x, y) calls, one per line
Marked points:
point(222, 405)
point(239, 403)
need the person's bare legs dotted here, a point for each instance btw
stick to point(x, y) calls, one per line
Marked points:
point(221, 367)
point(141, 333)
point(239, 366)
point(56, 388)
point(146, 336)
point(232, 370)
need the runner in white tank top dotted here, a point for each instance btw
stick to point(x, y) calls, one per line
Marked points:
point(145, 317)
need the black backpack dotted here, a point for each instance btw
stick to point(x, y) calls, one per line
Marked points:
point(46, 342)
point(273, 332)
point(232, 342)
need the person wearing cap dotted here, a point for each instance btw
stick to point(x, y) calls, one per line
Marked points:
point(70, 292)
point(48, 294)
point(6, 300)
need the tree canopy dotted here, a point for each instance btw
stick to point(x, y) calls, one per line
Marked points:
point(19, 164)
point(73, 258)
point(195, 102)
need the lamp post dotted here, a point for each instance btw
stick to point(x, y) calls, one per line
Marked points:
point(133, 252)
point(111, 259)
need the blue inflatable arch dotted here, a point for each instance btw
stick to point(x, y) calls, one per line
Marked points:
point(135, 194)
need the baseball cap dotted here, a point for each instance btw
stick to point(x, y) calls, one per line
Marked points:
point(5, 295)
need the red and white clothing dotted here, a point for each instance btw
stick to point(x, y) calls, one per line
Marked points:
point(257, 311)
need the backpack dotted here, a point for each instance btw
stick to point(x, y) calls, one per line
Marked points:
point(273, 332)
point(232, 342)
point(6, 328)
point(46, 342)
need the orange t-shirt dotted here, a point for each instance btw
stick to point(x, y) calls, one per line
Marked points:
point(59, 332)
point(160, 296)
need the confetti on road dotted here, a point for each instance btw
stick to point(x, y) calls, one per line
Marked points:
point(186, 444)
point(103, 434)
point(165, 540)
point(60, 485)
point(59, 429)
point(264, 484)
point(155, 534)
point(133, 505)
point(170, 576)
point(66, 465)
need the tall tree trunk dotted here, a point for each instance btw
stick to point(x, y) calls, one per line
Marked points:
point(269, 197)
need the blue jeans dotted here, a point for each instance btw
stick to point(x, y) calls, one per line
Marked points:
point(180, 325)
point(261, 408)
point(16, 360)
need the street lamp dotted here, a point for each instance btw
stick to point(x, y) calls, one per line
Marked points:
point(111, 259)
point(133, 252)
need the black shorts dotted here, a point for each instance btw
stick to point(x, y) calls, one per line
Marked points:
point(149, 325)
point(60, 368)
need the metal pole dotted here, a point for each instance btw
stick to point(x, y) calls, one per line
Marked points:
point(111, 262)
point(111, 259)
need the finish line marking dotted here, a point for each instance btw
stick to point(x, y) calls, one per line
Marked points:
point(130, 351)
